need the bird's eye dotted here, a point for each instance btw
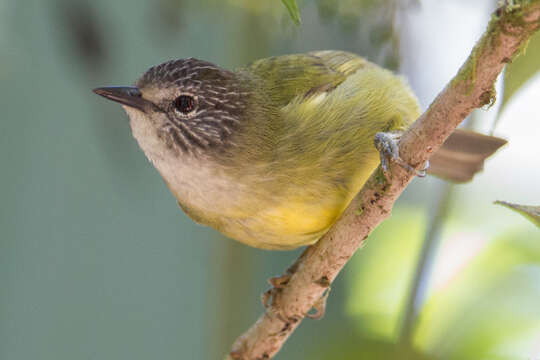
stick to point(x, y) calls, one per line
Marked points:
point(185, 104)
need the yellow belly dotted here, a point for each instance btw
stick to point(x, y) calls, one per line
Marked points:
point(299, 218)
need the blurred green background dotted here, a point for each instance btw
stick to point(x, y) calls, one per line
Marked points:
point(98, 262)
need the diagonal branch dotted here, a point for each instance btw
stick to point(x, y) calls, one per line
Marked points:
point(508, 31)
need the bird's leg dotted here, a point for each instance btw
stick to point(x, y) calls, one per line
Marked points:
point(387, 145)
point(320, 306)
point(271, 296)
point(280, 282)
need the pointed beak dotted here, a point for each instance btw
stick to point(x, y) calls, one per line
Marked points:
point(125, 95)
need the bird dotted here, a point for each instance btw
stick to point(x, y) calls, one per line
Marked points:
point(270, 154)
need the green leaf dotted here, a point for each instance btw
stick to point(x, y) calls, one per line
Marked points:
point(530, 212)
point(489, 304)
point(522, 68)
point(293, 10)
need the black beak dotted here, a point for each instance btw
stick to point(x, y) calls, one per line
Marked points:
point(125, 95)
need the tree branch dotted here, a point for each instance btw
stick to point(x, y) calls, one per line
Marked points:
point(508, 31)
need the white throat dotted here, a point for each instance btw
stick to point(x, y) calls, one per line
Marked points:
point(200, 184)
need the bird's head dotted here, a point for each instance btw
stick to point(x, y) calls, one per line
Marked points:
point(189, 105)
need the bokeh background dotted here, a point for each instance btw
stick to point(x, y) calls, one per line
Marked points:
point(98, 262)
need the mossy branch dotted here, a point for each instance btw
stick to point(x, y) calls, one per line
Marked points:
point(507, 34)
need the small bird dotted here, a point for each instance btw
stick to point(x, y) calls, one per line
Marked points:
point(272, 153)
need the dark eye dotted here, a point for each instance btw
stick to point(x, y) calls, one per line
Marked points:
point(185, 104)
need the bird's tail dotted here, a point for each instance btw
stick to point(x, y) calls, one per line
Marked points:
point(462, 155)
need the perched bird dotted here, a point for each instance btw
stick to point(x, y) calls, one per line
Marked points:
point(272, 153)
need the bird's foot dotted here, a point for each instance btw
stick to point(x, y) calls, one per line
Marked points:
point(387, 145)
point(319, 306)
point(270, 298)
point(278, 283)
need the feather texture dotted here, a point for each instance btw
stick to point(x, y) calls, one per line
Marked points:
point(272, 153)
point(331, 105)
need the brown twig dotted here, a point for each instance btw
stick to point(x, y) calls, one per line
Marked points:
point(508, 31)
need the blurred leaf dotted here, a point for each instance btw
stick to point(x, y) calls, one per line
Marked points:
point(506, 311)
point(521, 69)
point(342, 345)
point(379, 277)
point(293, 10)
point(490, 303)
point(530, 212)
point(84, 32)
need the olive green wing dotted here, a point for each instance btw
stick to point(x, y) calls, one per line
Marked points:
point(289, 76)
point(344, 62)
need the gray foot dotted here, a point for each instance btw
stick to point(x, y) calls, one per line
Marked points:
point(387, 144)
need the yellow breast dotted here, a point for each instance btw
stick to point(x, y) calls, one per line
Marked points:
point(297, 219)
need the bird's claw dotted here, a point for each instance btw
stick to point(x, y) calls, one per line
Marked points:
point(278, 283)
point(387, 145)
point(270, 297)
point(319, 306)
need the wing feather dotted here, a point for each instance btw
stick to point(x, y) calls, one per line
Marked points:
point(290, 76)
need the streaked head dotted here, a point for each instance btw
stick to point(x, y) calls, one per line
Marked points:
point(191, 105)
